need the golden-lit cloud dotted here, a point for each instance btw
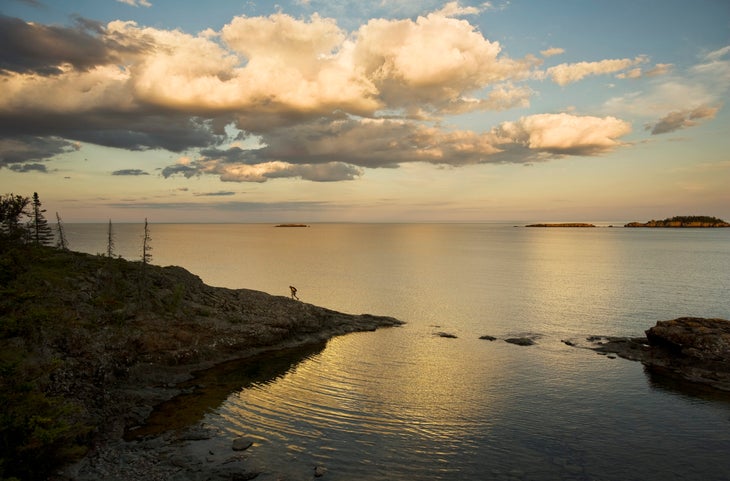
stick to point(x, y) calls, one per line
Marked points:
point(552, 51)
point(323, 151)
point(564, 134)
point(326, 103)
point(659, 69)
point(453, 9)
point(567, 73)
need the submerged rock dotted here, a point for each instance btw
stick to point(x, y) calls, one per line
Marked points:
point(520, 341)
point(241, 444)
point(488, 338)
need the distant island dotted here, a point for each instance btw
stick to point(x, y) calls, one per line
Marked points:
point(682, 221)
point(292, 225)
point(567, 224)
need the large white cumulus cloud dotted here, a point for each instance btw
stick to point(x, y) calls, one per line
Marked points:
point(564, 134)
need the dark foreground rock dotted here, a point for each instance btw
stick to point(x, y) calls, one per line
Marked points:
point(89, 345)
point(690, 348)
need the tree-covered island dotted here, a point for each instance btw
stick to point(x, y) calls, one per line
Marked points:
point(683, 221)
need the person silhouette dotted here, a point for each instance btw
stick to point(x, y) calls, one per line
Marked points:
point(293, 292)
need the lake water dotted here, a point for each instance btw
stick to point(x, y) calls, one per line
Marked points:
point(406, 404)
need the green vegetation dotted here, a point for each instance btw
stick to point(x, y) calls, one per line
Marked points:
point(38, 426)
point(688, 219)
point(63, 317)
point(683, 221)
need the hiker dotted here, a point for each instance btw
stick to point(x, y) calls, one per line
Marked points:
point(293, 292)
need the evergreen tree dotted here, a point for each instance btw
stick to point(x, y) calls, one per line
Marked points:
point(61, 243)
point(12, 209)
point(146, 245)
point(110, 241)
point(40, 231)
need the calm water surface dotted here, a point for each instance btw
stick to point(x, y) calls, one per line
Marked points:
point(403, 403)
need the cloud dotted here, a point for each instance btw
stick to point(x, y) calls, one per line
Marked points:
point(453, 9)
point(137, 88)
point(264, 171)
point(718, 54)
point(682, 119)
point(32, 167)
point(678, 98)
point(563, 134)
point(132, 172)
point(326, 104)
point(136, 3)
point(334, 151)
point(431, 63)
point(659, 69)
point(181, 169)
point(635, 73)
point(220, 193)
point(50, 50)
point(550, 52)
point(631, 74)
point(26, 149)
point(567, 73)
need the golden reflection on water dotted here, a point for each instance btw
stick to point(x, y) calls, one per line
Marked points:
point(407, 391)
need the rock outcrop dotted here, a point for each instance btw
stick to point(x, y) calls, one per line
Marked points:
point(108, 339)
point(691, 348)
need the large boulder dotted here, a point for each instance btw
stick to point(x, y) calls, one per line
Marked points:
point(695, 349)
point(692, 337)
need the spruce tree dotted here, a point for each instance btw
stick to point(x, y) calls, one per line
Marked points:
point(40, 231)
point(146, 245)
point(110, 241)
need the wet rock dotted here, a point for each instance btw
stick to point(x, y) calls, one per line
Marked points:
point(447, 335)
point(196, 434)
point(520, 341)
point(689, 348)
point(241, 444)
point(488, 338)
point(245, 476)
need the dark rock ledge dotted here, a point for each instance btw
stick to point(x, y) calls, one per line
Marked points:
point(690, 348)
point(111, 339)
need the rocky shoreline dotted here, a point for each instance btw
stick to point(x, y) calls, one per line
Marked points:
point(693, 349)
point(101, 341)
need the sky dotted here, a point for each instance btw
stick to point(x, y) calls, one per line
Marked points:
point(366, 111)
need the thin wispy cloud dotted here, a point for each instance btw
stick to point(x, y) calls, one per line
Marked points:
point(130, 172)
point(221, 193)
point(682, 119)
point(136, 3)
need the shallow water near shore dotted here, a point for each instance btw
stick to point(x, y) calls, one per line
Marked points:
point(403, 403)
